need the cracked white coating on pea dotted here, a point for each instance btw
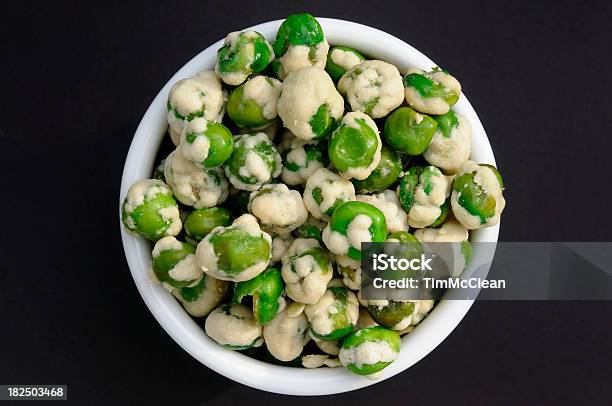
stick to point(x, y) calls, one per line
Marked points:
point(343, 58)
point(334, 190)
point(280, 245)
point(350, 120)
point(450, 231)
point(234, 326)
point(306, 279)
point(198, 96)
point(427, 206)
point(236, 78)
point(207, 258)
point(296, 155)
point(368, 353)
point(286, 335)
point(321, 314)
point(279, 209)
point(431, 105)
point(358, 231)
point(300, 56)
point(388, 202)
point(212, 294)
point(145, 190)
point(450, 153)
point(255, 165)
point(196, 151)
point(303, 93)
point(264, 91)
point(486, 179)
point(192, 185)
point(373, 87)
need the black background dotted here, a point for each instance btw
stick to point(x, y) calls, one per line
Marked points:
point(77, 78)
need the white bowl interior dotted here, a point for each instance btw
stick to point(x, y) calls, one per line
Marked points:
point(183, 329)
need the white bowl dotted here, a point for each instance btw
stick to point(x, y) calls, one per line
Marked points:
point(184, 330)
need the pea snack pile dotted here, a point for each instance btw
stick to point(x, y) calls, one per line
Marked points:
point(287, 157)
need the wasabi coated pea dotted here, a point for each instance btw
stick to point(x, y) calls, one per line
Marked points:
point(388, 203)
point(174, 264)
point(432, 92)
point(477, 200)
point(373, 87)
point(325, 191)
point(370, 350)
point(340, 59)
point(451, 145)
point(253, 104)
point(301, 158)
point(200, 299)
point(198, 96)
point(351, 224)
point(306, 271)
point(312, 228)
point(192, 185)
point(300, 43)
point(205, 143)
point(354, 148)
point(456, 255)
point(266, 290)
point(234, 327)
point(384, 175)
point(236, 253)
point(423, 192)
point(409, 131)
point(309, 104)
point(150, 210)
point(242, 53)
point(396, 315)
point(335, 314)
point(350, 269)
point(286, 335)
point(200, 222)
point(253, 162)
point(279, 209)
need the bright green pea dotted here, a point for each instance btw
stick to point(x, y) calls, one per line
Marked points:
point(239, 57)
point(473, 198)
point(322, 122)
point(408, 131)
point(297, 29)
point(220, 140)
point(237, 250)
point(386, 173)
point(266, 289)
point(391, 314)
point(347, 211)
point(353, 148)
point(200, 222)
point(446, 123)
point(342, 325)
point(371, 334)
point(167, 259)
point(246, 113)
point(336, 71)
point(191, 294)
point(428, 89)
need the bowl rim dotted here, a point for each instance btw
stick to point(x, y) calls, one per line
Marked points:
point(139, 162)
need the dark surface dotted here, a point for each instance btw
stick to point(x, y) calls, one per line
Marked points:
point(76, 80)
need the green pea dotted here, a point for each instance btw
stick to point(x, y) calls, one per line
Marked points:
point(473, 198)
point(428, 89)
point(297, 29)
point(417, 175)
point(167, 260)
point(240, 57)
point(391, 314)
point(386, 173)
point(347, 211)
point(408, 131)
point(266, 289)
point(446, 123)
point(237, 250)
point(246, 113)
point(200, 222)
point(371, 334)
point(336, 71)
point(191, 294)
point(322, 122)
point(243, 145)
point(221, 143)
point(351, 147)
point(340, 320)
point(410, 246)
